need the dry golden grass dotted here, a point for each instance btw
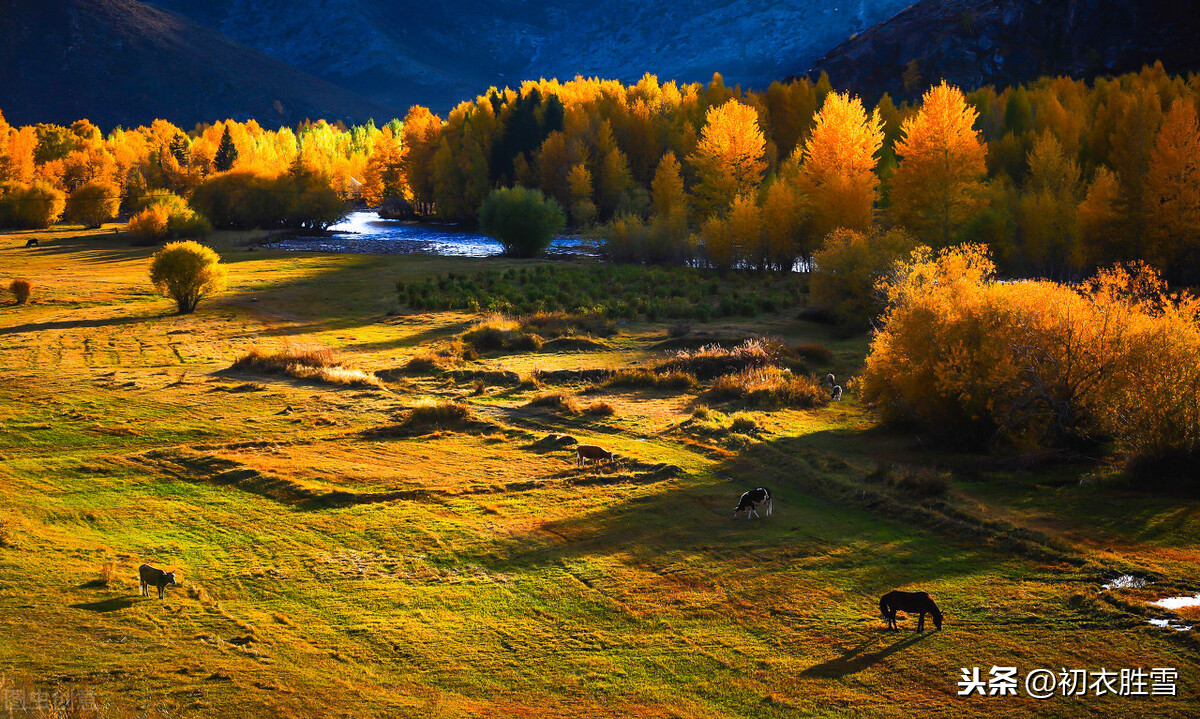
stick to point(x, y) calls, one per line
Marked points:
point(308, 362)
point(769, 388)
point(558, 402)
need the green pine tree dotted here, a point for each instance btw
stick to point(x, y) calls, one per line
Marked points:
point(226, 152)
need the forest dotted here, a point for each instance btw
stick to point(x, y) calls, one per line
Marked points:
point(1056, 178)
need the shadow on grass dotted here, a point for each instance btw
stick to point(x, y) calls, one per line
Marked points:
point(112, 604)
point(80, 324)
point(857, 659)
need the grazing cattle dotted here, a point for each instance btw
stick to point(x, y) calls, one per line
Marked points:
point(152, 577)
point(912, 603)
point(752, 499)
point(32, 243)
point(836, 394)
point(584, 452)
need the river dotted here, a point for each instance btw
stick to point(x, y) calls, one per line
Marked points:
point(366, 232)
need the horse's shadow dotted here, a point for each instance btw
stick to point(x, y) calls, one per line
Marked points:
point(855, 660)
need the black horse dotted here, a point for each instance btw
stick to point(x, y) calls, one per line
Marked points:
point(912, 603)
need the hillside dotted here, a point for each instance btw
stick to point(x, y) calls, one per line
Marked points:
point(400, 53)
point(124, 62)
point(979, 42)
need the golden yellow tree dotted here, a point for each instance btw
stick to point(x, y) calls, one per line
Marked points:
point(838, 171)
point(1100, 219)
point(420, 135)
point(1173, 189)
point(937, 185)
point(667, 188)
point(730, 157)
point(583, 209)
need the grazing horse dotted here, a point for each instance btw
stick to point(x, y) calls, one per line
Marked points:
point(753, 498)
point(32, 243)
point(912, 603)
point(836, 393)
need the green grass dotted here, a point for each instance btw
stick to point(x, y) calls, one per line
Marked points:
point(468, 569)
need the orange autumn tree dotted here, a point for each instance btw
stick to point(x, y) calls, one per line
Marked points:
point(1173, 189)
point(730, 157)
point(937, 185)
point(838, 171)
point(384, 176)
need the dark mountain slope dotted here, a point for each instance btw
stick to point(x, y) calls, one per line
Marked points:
point(124, 62)
point(1002, 42)
point(401, 52)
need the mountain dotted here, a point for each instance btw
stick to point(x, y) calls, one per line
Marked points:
point(978, 42)
point(122, 62)
point(404, 52)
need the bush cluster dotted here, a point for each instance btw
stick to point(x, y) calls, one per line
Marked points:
point(1031, 365)
point(163, 216)
point(30, 207)
point(244, 199)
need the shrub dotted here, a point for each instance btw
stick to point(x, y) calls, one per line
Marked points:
point(20, 289)
point(306, 361)
point(556, 402)
point(187, 272)
point(769, 388)
point(742, 423)
point(166, 216)
point(847, 269)
point(94, 203)
point(30, 207)
point(522, 220)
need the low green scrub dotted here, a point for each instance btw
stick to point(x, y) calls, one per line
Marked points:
point(609, 291)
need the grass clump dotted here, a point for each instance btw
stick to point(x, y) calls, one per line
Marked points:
point(7, 538)
point(20, 289)
point(434, 415)
point(769, 388)
point(558, 402)
point(742, 423)
point(498, 333)
point(423, 363)
point(601, 409)
point(308, 362)
point(671, 380)
point(711, 361)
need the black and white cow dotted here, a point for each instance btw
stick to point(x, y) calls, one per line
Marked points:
point(752, 499)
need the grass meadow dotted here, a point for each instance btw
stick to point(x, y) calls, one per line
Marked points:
point(345, 550)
